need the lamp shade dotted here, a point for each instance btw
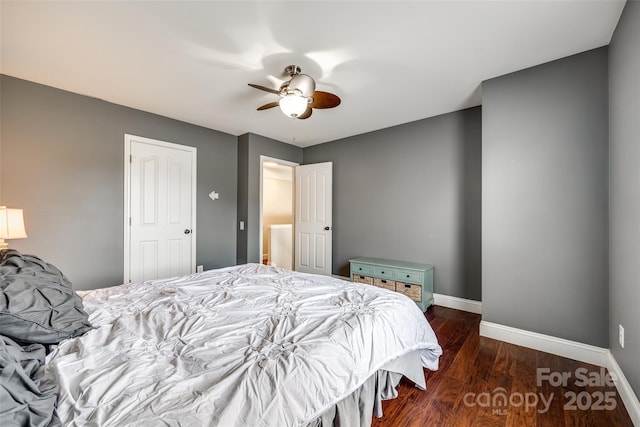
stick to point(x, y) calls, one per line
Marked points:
point(293, 105)
point(11, 224)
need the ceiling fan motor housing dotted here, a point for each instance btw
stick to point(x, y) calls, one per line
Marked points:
point(302, 84)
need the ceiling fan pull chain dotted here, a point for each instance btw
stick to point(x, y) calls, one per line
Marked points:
point(293, 132)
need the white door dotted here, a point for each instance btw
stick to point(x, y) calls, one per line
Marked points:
point(313, 201)
point(161, 206)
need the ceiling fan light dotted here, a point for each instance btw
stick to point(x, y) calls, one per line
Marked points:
point(293, 105)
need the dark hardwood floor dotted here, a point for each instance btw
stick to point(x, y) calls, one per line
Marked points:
point(485, 382)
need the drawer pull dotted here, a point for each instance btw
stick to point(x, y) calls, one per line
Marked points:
point(407, 286)
point(383, 281)
point(408, 276)
point(382, 272)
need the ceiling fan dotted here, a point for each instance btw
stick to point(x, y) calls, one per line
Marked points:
point(298, 96)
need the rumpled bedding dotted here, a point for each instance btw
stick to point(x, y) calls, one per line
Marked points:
point(38, 308)
point(23, 402)
point(248, 345)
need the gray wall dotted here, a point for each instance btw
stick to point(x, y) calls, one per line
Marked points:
point(62, 162)
point(250, 148)
point(545, 199)
point(412, 193)
point(624, 217)
point(243, 198)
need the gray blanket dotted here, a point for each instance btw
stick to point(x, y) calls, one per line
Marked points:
point(23, 401)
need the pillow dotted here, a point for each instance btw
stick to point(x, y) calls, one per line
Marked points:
point(37, 302)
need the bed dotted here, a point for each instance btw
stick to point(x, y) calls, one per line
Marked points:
point(248, 345)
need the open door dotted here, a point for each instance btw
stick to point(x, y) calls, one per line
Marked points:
point(313, 218)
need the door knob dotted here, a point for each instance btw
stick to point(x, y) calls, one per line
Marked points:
point(187, 231)
point(327, 228)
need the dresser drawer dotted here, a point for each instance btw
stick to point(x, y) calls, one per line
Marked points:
point(359, 278)
point(384, 272)
point(385, 283)
point(413, 279)
point(412, 291)
point(360, 268)
point(409, 276)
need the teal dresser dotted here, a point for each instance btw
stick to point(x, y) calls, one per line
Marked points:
point(412, 279)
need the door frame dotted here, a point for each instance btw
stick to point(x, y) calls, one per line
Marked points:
point(126, 217)
point(282, 162)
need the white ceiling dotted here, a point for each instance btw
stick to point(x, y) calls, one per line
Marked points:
point(390, 62)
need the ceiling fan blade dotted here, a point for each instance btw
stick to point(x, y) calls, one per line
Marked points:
point(307, 113)
point(324, 100)
point(266, 89)
point(269, 105)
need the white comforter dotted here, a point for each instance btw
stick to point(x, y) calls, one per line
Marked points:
point(241, 346)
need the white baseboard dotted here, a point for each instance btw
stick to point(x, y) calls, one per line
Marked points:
point(626, 392)
point(558, 346)
point(458, 303)
point(571, 349)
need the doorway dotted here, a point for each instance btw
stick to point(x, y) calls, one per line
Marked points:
point(277, 211)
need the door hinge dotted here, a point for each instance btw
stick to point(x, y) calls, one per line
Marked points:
point(130, 158)
point(129, 221)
